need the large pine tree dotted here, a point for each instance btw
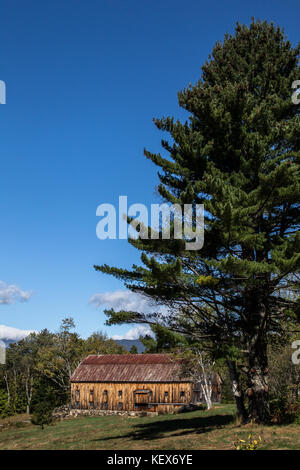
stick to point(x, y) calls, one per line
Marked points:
point(238, 154)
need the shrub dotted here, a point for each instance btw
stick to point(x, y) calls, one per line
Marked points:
point(252, 443)
point(284, 412)
point(42, 414)
point(5, 408)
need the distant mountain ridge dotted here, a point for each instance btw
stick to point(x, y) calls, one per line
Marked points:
point(7, 342)
point(128, 343)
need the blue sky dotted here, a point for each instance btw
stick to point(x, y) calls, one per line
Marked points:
point(84, 80)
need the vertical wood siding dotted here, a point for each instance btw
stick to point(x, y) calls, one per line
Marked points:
point(125, 396)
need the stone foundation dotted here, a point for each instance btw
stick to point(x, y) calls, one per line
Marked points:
point(65, 412)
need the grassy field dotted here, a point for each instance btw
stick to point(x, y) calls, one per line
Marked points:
point(216, 429)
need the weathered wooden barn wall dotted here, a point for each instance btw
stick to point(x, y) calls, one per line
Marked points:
point(133, 382)
point(161, 397)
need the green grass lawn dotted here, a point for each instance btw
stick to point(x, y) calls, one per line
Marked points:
point(214, 429)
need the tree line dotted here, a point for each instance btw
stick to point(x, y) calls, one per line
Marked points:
point(35, 378)
point(38, 368)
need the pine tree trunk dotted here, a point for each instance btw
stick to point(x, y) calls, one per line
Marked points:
point(236, 390)
point(258, 391)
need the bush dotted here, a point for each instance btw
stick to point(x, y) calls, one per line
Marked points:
point(5, 408)
point(42, 414)
point(284, 412)
point(252, 443)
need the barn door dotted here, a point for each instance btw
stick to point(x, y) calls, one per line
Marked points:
point(142, 398)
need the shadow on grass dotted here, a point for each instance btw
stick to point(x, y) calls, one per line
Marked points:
point(175, 426)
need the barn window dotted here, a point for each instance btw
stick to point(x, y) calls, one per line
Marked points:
point(120, 393)
point(105, 405)
point(91, 398)
point(120, 405)
point(105, 393)
point(182, 393)
point(77, 395)
point(166, 394)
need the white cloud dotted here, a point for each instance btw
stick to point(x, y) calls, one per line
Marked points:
point(135, 333)
point(8, 333)
point(122, 300)
point(10, 294)
point(129, 301)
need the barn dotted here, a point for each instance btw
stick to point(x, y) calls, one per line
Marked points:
point(130, 382)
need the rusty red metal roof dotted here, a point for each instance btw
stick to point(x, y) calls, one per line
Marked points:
point(128, 368)
point(128, 359)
